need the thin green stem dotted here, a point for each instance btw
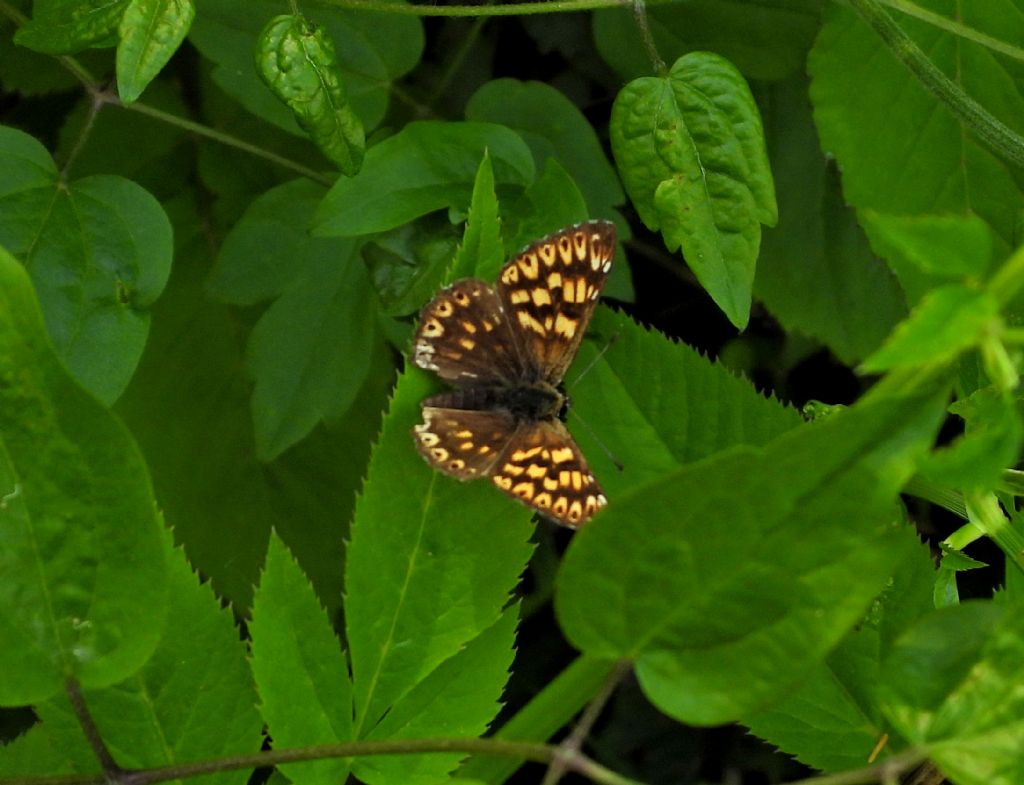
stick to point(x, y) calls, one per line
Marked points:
point(987, 515)
point(990, 132)
point(886, 771)
point(92, 733)
point(640, 17)
point(95, 104)
point(936, 494)
point(957, 29)
point(511, 9)
point(457, 59)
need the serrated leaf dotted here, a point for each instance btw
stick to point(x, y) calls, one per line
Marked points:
point(430, 564)
point(655, 404)
point(868, 109)
point(690, 150)
point(990, 444)
point(946, 322)
point(193, 699)
point(481, 252)
point(709, 578)
point(298, 63)
point(82, 577)
point(300, 671)
point(816, 272)
point(426, 166)
point(458, 699)
point(953, 686)
point(60, 27)
point(99, 253)
point(150, 32)
point(553, 127)
point(373, 50)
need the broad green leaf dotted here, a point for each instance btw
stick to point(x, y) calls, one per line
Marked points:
point(60, 27)
point(430, 563)
point(947, 321)
point(552, 202)
point(150, 32)
point(869, 110)
point(221, 500)
point(727, 579)
point(549, 710)
point(298, 63)
point(99, 253)
point(300, 670)
point(553, 127)
point(953, 686)
point(82, 576)
point(816, 272)
point(481, 253)
point(832, 721)
point(373, 50)
point(766, 40)
point(458, 699)
point(655, 404)
point(310, 352)
point(193, 699)
point(691, 154)
point(426, 166)
point(990, 444)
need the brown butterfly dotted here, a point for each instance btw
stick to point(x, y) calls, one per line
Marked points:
point(506, 348)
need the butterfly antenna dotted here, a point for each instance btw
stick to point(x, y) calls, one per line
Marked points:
point(604, 448)
point(590, 366)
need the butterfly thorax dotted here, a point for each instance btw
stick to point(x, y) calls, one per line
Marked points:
point(525, 402)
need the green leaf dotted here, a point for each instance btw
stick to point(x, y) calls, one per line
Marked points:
point(298, 63)
point(99, 253)
point(766, 40)
point(61, 27)
point(990, 444)
point(150, 33)
point(725, 580)
point(552, 202)
point(300, 670)
point(426, 166)
point(193, 699)
point(656, 404)
point(310, 352)
point(373, 50)
point(430, 563)
point(553, 127)
point(457, 700)
point(946, 322)
point(869, 110)
point(82, 577)
point(481, 253)
point(953, 686)
point(690, 151)
point(832, 721)
point(816, 273)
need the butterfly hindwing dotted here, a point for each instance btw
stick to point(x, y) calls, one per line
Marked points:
point(549, 291)
point(543, 467)
point(463, 443)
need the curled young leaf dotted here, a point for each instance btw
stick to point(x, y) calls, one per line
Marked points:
point(298, 63)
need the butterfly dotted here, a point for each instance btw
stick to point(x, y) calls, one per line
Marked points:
point(505, 349)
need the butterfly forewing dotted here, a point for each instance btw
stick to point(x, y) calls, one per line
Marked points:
point(465, 338)
point(550, 290)
point(543, 467)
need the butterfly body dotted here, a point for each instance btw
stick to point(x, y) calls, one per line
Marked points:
point(506, 348)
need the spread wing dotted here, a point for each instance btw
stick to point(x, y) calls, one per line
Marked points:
point(465, 337)
point(550, 290)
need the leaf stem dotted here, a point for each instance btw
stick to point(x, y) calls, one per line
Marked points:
point(991, 132)
point(92, 733)
point(640, 17)
point(509, 9)
point(985, 513)
point(539, 753)
point(886, 771)
point(957, 29)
